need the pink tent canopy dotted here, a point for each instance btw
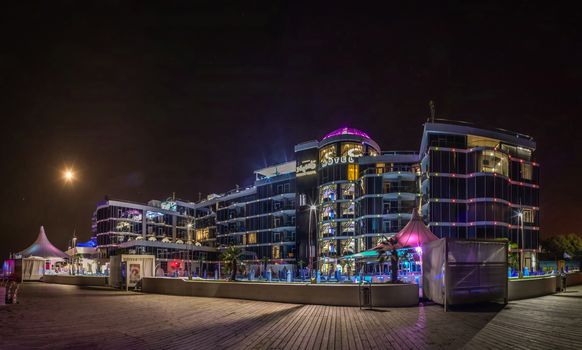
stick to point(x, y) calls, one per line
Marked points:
point(414, 234)
point(43, 248)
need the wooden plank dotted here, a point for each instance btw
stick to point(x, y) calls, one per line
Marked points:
point(58, 315)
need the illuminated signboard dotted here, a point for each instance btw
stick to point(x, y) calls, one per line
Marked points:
point(307, 167)
point(352, 150)
point(337, 160)
point(169, 205)
point(349, 151)
point(153, 214)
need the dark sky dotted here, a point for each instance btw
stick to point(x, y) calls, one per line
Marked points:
point(147, 100)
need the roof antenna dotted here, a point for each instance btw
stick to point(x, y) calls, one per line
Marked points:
point(432, 110)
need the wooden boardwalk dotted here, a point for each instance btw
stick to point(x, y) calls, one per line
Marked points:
point(70, 317)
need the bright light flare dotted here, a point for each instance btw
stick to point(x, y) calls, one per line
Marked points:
point(68, 175)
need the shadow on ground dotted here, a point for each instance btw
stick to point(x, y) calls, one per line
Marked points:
point(234, 333)
point(480, 307)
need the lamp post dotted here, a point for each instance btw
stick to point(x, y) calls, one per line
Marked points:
point(521, 256)
point(189, 234)
point(68, 178)
point(312, 209)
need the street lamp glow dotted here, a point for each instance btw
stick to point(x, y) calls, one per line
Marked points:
point(68, 175)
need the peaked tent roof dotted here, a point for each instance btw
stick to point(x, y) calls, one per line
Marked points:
point(43, 248)
point(415, 233)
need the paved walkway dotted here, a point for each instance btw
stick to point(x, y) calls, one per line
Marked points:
point(70, 317)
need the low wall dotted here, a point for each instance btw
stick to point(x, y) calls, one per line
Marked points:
point(574, 279)
point(531, 287)
point(76, 280)
point(383, 295)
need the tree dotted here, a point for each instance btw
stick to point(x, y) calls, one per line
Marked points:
point(382, 257)
point(300, 264)
point(265, 260)
point(394, 265)
point(231, 255)
point(556, 246)
point(513, 256)
point(349, 269)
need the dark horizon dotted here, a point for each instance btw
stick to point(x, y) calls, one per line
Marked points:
point(147, 100)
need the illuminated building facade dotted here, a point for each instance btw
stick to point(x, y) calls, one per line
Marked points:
point(351, 195)
point(342, 195)
point(481, 184)
point(259, 219)
point(164, 229)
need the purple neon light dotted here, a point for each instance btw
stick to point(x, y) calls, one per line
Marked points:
point(346, 131)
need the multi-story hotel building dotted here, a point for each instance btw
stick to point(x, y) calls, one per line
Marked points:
point(356, 194)
point(342, 195)
point(260, 218)
point(481, 184)
point(164, 229)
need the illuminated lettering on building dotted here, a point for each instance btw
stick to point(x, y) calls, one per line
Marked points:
point(307, 167)
point(336, 160)
point(355, 152)
point(169, 205)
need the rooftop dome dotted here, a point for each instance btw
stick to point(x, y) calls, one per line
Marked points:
point(346, 131)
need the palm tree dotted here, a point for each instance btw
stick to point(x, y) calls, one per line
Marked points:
point(383, 256)
point(231, 256)
point(301, 263)
point(265, 260)
point(349, 269)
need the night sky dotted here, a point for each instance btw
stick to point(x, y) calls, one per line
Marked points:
point(144, 101)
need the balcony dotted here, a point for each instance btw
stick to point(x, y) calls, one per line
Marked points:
point(282, 212)
point(284, 227)
point(406, 196)
point(397, 210)
point(399, 175)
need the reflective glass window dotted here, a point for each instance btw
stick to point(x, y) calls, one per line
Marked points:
point(352, 172)
point(354, 150)
point(494, 162)
point(526, 171)
point(327, 153)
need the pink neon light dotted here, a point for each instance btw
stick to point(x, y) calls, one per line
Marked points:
point(346, 131)
point(513, 182)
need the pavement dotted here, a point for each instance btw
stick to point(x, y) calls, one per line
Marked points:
point(51, 316)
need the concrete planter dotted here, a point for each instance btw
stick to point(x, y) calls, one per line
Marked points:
point(76, 280)
point(574, 279)
point(322, 294)
point(537, 287)
point(532, 287)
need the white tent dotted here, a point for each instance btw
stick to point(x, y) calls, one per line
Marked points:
point(42, 248)
point(34, 258)
point(464, 271)
point(33, 268)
